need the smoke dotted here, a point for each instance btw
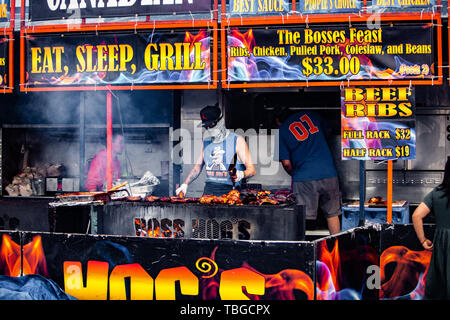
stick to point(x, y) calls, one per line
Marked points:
point(45, 108)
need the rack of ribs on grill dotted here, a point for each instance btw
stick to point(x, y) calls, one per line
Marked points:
point(234, 197)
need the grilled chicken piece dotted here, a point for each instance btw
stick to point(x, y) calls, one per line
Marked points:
point(178, 200)
point(263, 194)
point(266, 201)
point(376, 200)
point(234, 193)
point(206, 199)
point(151, 199)
point(131, 198)
point(220, 200)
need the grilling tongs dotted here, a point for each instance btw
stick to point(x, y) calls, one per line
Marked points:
point(232, 169)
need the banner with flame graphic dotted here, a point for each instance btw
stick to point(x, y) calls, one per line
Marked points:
point(120, 59)
point(205, 270)
point(342, 264)
point(378, 123)
point(376, 262)
point(403, 262)
point(4, 62)
point(331, 53)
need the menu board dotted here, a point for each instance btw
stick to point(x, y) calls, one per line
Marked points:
point(330, 53)
point(378, 123)
point(127, 58)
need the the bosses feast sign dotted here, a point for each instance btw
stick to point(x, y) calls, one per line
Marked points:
point(378, 123)
point(77, 9)
point(144, 58)
point(326, 53)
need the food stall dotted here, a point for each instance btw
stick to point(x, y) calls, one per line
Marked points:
point(148, 77)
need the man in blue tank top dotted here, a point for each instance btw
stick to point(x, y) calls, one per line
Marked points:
point(305, 155)
point(220, 149)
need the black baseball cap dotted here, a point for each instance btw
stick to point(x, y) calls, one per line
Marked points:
point(210, 115)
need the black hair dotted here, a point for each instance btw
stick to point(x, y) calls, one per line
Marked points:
point(445, 185)
point(282, 113)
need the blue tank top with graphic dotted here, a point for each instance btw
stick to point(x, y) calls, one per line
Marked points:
point(217, 158)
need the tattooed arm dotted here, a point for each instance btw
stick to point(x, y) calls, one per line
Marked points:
point(195, 171)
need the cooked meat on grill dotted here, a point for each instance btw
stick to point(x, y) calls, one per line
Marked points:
point(177, 200)
point(263, 194)
point(376, 200)
point(266, 201)
point(220, 200)
point(131, 198)
point(152, 199)
point(235, 193)
point(234, 197)
point(206, 199)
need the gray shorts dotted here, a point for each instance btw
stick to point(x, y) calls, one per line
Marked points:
point(324, 193)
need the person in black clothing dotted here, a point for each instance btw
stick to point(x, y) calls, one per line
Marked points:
point(437, 202)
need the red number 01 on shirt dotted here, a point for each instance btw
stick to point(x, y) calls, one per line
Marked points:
point(299, 130)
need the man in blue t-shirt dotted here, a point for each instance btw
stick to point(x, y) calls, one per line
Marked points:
point(305, 155)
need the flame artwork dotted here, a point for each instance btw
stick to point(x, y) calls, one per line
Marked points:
point(288, 284)
point(33, 261)
point(341, 274)
point(408, 271)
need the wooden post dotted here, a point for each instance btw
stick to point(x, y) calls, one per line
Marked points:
point(389, 192)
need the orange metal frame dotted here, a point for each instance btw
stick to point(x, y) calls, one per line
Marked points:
point(389, 191)
point(9, 33)
point(228, 22)
point(327, 18)
point(119, 26)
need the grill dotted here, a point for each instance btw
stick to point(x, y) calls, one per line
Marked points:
point(201, 221)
